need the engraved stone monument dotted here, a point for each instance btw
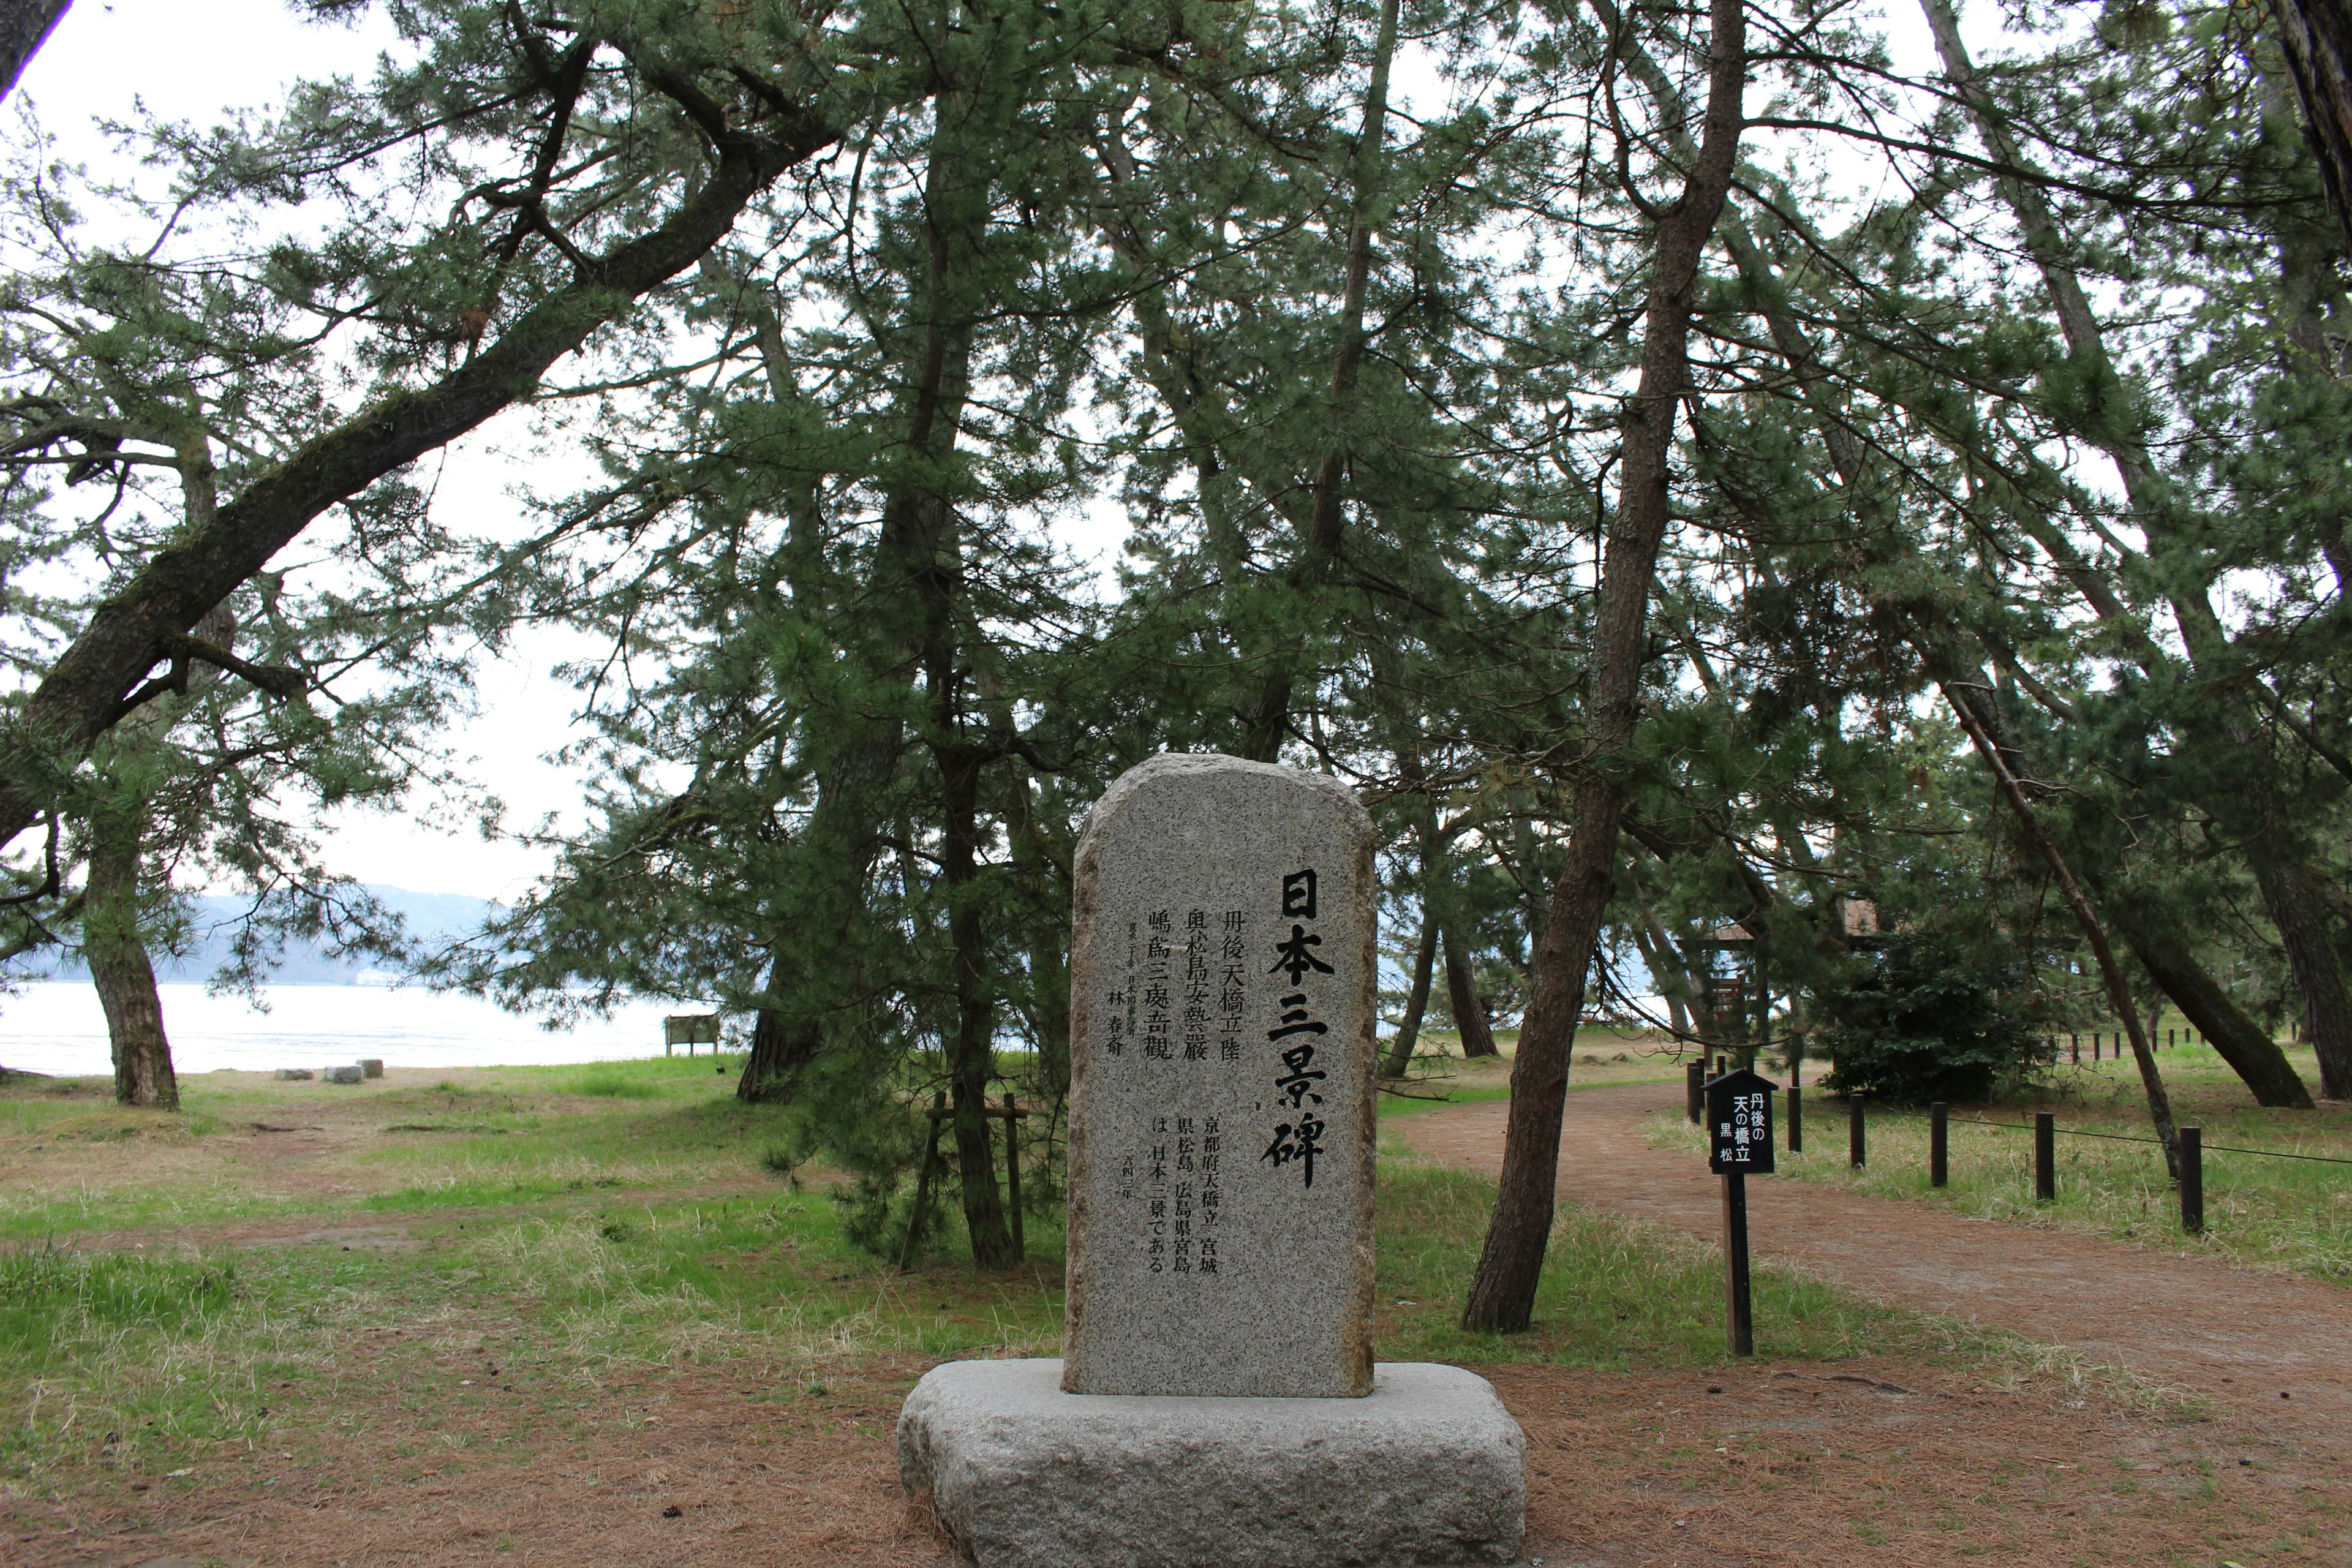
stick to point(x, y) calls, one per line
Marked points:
point(1217, 1402)
point(1221, 1096)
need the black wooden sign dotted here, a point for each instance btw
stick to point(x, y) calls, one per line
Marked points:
point(1739, 1124)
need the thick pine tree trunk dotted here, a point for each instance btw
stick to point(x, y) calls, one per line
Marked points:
point(2318, 38)
point(2240, 1041)
point(2298, 910)
point(1462, 996)
point(783, 1041)
point(121, 970)
point(814, 972)
point(921, 538)
point(1503, 1290)
point(819, 948)
point(818, 969)
point(1416, 1002)
point(25, 26)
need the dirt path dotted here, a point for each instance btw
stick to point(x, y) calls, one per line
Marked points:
point(1883, 1463)
point(2279, 1350)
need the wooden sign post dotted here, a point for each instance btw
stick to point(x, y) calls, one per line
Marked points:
point(690, 1029)
point(1739, 1139)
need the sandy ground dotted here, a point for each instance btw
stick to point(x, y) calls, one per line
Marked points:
point(1858, 1462)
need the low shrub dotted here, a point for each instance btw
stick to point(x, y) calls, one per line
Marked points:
point(1929, 1019)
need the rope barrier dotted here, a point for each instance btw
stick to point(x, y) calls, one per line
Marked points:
point(2130, 1138)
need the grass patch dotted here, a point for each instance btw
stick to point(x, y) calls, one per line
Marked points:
point(605, 1084)
point(1441, 1076)
point(1616, 1295)
point(49, 1297)
point(569, 1240)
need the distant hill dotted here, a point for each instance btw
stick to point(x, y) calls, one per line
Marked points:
point(431, 917)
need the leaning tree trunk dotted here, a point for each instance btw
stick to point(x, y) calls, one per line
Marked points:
point(119, 968)
point(1461, 996)
point(2240, 1041)
point(1666, 972)
point(2318, 38)
point(1416, 1001)
point(2119, 996)
point(25, 26)
point(1503, 1290)
point(2235, 1037)
point(2299, 911)
point(84, 690)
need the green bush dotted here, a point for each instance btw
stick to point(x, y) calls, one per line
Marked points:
point(1927, 1020)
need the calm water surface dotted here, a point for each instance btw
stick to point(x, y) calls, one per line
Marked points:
point(57, 1027)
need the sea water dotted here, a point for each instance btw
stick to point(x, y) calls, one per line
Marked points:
point(57, 1027)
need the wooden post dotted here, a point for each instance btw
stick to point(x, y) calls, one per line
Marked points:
point(2076, 1043)
point(1796, 1120)
point(2192, 1180)
point(918, 1216)
point(1693, 1089)
point(2045, 1156)
point(1940, 1144)
point(1013, 1115)
point(1854, 1151)
point(1739, 1325)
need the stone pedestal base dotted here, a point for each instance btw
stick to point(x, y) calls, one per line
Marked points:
point(1429, 1469)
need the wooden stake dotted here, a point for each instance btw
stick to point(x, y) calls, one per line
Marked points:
point(1013, 1115)
point(1739, 1324)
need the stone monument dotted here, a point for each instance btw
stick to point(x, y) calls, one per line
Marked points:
point(1217, 1402)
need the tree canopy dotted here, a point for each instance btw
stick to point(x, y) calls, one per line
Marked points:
point(1749, 466)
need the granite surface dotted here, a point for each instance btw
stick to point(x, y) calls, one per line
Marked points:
point(1428, 1469)
point(1223, 976)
